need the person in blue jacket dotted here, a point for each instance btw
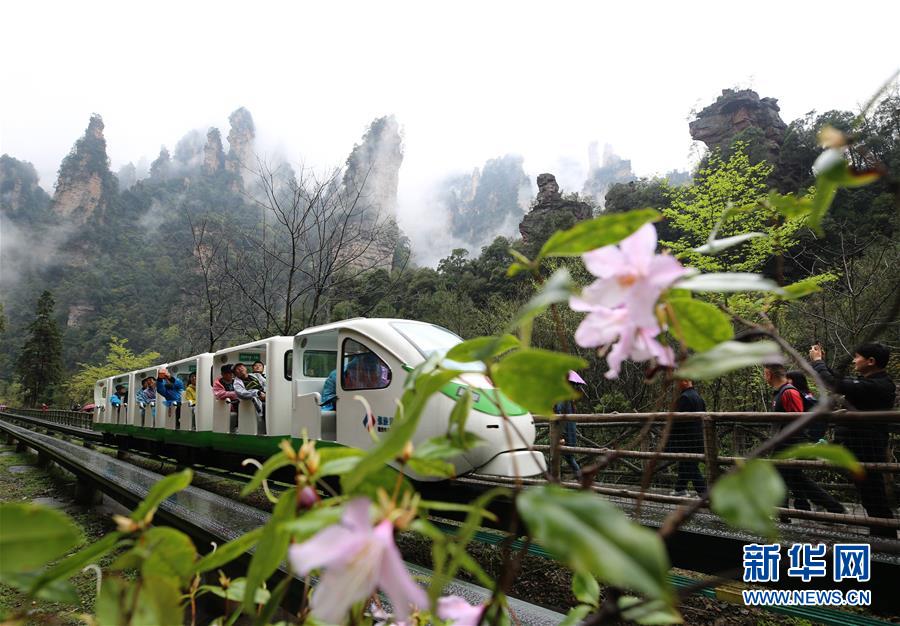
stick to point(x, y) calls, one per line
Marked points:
point(170, 388)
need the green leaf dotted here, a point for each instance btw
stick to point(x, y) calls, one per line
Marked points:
point(648, 613)
point(114, 601)
point(515, 269)
point(595, 233)
point(311, 522)
point(54, 591)
point(726, 282)
point(274, 602)
point(557, 288)
point(456, 425)
point(228, 552)
point(424, 385)
point(482, 348)
point(158, 602)
point(272, 464)
point(576, 614)
point(821, 202)
point(236, 590)
point(716, 246)
point(271, 547)
point(338, 460)
point(537, 379)
point(728, 356)
point(585, 588)
point(32, 535)
point(589, 534)
point(168, 553)
point(700, 325)
point(790, 206)
point(431, 467)
point(171, 484)
point(73, 564)
point(802, 288)
point(839, 456)
point(746, 498)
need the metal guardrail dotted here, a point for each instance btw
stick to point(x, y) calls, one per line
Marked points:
point(77, 419)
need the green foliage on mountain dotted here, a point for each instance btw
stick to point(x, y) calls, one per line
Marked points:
point(134, 269)
point(40, 366)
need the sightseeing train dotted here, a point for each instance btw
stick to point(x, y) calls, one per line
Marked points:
point(296, 370)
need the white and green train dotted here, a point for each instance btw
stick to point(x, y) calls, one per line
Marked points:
point(371, 359)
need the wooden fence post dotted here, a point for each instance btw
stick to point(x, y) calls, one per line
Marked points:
point(555, 456)
point(711, 450)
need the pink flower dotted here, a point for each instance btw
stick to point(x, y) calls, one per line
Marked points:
point(631, 274)
point(621, 303)
point(356, 558)
point(604, 327)
point(459, 610)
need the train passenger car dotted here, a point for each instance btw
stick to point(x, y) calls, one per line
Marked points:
point(196, 415)
point(370, 359)
point(276, 419)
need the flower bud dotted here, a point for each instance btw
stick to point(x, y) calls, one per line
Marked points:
point(308, 497)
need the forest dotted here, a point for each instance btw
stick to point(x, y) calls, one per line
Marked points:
point(208, 251)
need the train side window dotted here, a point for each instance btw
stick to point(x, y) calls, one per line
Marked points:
point(362, 368)
point(318, 363)
point(288, 364)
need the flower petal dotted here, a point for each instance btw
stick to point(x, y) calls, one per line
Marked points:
point(618, 354)
point(331, 547)
point(605, 262)
point(459, 610)
point(639, 248)
point(339, 589)
point(394, 579)
point(356, 515)
point(665, 270)
point(601, 327)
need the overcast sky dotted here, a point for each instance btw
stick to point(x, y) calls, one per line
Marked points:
point(468, 81)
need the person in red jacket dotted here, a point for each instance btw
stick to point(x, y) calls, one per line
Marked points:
point(788, 400)
point(223, 389)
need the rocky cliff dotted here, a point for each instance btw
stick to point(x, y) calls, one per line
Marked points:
point(241, 138)
point(551, 211)
point(213, 153)
point(603, 174)
point(20, 194)
point(85, 186)
point(736, 112)
point(161, 168)
point(488, 203)
point(374, 166)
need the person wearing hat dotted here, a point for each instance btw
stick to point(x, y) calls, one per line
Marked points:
point(569, 430)
point(223, 389)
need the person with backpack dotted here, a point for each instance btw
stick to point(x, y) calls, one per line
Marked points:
point(787, 399)
point(873, 390)
point(687, 436)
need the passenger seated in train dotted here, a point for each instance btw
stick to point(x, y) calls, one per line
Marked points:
point(170, 389)
point(119, 397)
point(256, 396)
point(258, 376)
point(223, 389)
point(329, 392)
point(190, 392)
point(366, 371)
point(146, 396)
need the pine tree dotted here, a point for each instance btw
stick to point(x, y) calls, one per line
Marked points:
point(40, 363)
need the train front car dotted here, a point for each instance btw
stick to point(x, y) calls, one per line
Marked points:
point(503, 450)
point(336, 364)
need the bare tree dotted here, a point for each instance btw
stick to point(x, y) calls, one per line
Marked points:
point(210, 290)
point(316, 234)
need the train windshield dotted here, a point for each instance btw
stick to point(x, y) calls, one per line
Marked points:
point(429, 339)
